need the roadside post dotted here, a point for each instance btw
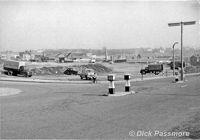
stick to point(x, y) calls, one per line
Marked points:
point(177, 76)
point(174, 58)
point(181, 24)
point(111, 88)
point(141, 76)
point(127, 78)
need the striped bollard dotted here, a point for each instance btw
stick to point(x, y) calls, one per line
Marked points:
point(127, 78)
point(176, 76)
point(111, 88)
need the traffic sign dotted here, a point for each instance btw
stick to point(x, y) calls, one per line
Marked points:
point(189, 23)
point(174, 24)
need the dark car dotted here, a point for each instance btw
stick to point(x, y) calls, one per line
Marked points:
point(177, 65)
point(71, 71)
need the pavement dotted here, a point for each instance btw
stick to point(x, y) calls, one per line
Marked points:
point(71, 111)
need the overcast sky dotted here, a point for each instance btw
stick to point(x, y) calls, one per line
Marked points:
point(38, 24)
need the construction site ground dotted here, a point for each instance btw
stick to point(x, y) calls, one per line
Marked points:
point(55, 71)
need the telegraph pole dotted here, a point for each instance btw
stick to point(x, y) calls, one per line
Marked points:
point(181, 24)
point(174, 58)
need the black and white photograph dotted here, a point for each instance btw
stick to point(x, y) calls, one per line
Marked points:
point(100, 69)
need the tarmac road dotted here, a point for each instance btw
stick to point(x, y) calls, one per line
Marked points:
point(63, 111)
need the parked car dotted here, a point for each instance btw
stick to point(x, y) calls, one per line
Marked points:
point(177, 65)
point(71, 71)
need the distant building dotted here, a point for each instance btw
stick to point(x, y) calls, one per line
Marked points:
point(31, 55)
point(37, 56)
point(61, 58)
point(51, 57)
point(195, 60)
point(25, 56)
point(9, 55)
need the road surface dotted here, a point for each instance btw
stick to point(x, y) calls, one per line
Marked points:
point(63, 111)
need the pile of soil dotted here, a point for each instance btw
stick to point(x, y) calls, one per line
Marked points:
point(48, 70)
point(99, 68)
point(59, 70)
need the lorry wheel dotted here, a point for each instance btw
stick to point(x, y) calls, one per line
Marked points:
point(156, 73)
point(143, 73)
point(10, 73)
point(81, 77)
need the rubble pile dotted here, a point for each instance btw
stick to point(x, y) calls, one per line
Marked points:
point(99, 68)
point(59, 70)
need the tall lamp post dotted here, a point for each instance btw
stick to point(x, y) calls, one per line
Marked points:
point(174, 58)
point(181, 24)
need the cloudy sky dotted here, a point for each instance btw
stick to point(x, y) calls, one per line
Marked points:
point(55, 24)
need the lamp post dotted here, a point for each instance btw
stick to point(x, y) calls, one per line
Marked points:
point(174, 57)
point(181, 24)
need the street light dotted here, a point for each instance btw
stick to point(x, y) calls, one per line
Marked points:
point(181, 24)
point(174, 58)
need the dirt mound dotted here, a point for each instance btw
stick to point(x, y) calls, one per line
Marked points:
point(59, 70)
point(99, 68)
point(48, 70)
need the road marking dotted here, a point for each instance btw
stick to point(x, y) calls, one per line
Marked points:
point(9, 91)
point(121, 94)
point(184, 86)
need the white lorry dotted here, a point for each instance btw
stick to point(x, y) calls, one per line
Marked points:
point(16, 68)
point(87, 74)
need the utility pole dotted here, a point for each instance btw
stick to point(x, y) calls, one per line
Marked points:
point(106, 54)
point(174, 58)
point(181, 24)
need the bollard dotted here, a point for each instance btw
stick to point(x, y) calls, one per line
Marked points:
point(176, 76)
point(127, 77)
point(111, 88)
